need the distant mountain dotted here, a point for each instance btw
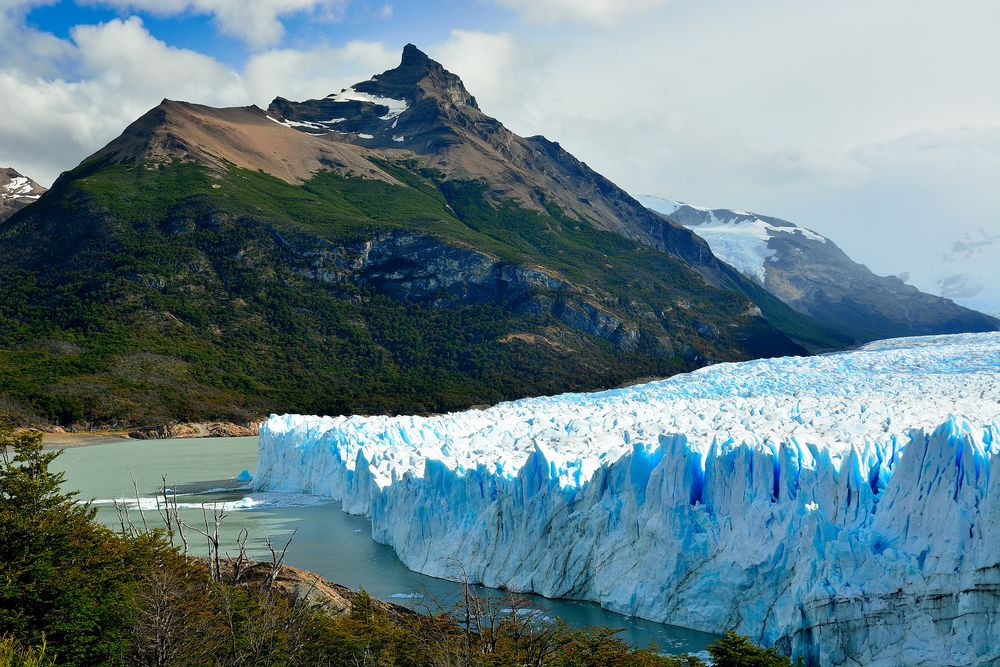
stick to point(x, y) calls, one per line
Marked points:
point(812, 275)
point(415, 257)
point(967, 272)
point(16, 192)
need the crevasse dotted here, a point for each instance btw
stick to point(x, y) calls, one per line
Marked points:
point(840, 507)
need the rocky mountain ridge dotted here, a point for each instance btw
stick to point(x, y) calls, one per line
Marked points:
point(810, 273)
point(421, 107)
point(16, 192)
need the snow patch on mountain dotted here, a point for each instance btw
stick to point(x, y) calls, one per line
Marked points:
point(19, 187)
point(839, 506)
point(740, 238)
point(396, 107)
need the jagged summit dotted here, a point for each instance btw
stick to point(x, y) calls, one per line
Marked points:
point(416, 105)
point(16, 192)
point(412, 56)
point(418, 76)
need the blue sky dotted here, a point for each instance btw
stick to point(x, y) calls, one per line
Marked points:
point(191, 29)
point(875, 122)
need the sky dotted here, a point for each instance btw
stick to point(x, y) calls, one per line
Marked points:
point(873, 122)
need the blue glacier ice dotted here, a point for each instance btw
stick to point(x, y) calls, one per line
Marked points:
point(840, 507)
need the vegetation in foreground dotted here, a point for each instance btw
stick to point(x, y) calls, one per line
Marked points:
point(73, 592)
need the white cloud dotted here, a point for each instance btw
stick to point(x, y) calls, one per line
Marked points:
point(25, 48)
point(385, 11)
point(122, 54)
point(120, 71)
point(258, 22)
point(605, 13)
point(839, 116)
point(299, 75)
point(487, 63)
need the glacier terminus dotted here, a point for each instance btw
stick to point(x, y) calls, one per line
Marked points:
point(841, 507)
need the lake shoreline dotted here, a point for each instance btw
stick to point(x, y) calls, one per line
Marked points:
point(57, 438)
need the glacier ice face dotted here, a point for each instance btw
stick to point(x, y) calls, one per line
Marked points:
point(840, 507)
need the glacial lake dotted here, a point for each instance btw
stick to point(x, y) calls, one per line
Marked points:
point(327, 541)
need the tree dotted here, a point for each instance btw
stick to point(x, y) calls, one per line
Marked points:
point(737, 651)
point(63, 578)
point(14, 654)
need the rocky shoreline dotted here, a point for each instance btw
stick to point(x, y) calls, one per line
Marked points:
point(59, 437)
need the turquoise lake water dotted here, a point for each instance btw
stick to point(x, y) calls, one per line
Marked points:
point(327, 541)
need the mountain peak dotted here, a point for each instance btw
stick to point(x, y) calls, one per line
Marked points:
point(419, 76)
point(417, 105)
point(16, 191)
point(412, 56)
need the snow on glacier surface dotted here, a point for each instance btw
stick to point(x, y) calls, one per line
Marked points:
point(831, 403)
point(838, 506)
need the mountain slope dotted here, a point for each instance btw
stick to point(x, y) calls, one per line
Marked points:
point(216, 264)
point(815, 277)
point(16, 192)
point(421, 107)
point(243, 137)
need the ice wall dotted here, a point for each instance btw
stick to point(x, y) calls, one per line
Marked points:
point(840, 506)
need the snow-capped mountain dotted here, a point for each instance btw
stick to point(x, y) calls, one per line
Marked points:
point(811, 274)
point(740, 238)
point(16, 192)
point(967, 272)
point(840, 507)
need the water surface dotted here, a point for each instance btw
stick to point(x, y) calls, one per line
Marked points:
point(327, 541)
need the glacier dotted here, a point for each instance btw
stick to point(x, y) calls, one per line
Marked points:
point(840, 507)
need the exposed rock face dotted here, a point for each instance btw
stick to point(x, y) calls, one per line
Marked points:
point(421, 268)
point(422, 107)
point(815, 277)
point(196, 430)
point(16, 192)
point(303, 586)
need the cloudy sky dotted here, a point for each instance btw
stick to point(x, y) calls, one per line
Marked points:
point(875, 122)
